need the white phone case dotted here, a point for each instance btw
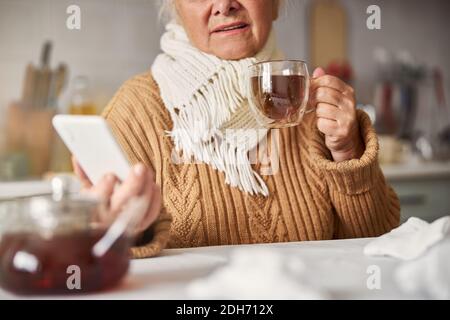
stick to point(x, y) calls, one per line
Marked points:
point(91, 141)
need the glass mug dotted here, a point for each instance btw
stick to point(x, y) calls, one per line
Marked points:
point(279, 92)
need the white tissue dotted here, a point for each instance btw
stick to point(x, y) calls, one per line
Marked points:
point(410, 240)
point(428, 275)
point(256, 274)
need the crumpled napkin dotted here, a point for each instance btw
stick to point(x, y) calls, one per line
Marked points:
point(411, 240)
point(257, 274)
point(425, 248)
point(428, 276)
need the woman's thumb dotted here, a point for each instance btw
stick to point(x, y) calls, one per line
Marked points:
point(318, 73)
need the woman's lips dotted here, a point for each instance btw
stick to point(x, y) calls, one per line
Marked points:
point(232, 29)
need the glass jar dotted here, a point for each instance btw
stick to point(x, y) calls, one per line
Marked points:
point(81, 102)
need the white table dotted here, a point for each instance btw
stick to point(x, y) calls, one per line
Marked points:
point(337, 267)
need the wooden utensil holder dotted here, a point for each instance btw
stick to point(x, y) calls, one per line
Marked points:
point(30, 130)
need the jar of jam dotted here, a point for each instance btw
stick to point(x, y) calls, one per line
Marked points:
point(55, 244)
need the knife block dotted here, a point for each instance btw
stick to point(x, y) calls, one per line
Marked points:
point(30, 130)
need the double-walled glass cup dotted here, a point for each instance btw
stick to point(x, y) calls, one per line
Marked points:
point(279, 92)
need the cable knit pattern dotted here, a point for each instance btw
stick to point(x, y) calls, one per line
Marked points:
point(207, 98)
point(311, 197)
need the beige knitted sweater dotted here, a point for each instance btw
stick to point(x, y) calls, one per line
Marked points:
point(311, 197)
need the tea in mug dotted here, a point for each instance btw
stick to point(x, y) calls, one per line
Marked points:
point(281, 98)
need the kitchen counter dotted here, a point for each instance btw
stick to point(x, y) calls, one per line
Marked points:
point(423, 188)
point(417, 170)
point(29, 188)
point(23, 189)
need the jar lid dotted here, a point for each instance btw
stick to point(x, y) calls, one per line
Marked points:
point(62, 210)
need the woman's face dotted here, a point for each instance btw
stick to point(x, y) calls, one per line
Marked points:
point(228, 29)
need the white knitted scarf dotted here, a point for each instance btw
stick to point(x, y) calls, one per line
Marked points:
point(207, 100)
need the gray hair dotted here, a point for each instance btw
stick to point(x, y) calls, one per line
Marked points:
point(168, 12)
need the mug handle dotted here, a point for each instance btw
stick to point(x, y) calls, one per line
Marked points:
point(308, 86)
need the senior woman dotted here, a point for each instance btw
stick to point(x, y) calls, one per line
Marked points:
point(328, 185)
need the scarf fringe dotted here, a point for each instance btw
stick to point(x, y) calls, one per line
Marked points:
point(205, 96)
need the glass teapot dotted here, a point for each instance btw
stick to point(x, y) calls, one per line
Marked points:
point(56, 243)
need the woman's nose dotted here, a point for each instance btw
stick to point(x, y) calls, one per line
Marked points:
point(225, 7)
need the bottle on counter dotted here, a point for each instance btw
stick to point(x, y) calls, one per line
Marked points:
point(81, 102)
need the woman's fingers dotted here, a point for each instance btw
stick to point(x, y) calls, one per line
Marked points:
point(154, 209)
point(332, 83)
point(343, 130)
point(85, 182)
point(336, 115)
point(318, 72)
point(140, 182)
point(333, 97)
point(148, 194)
point(104, 191)
point(105, 188)
point(327, 127)
point(131, 187)
point(327, 111)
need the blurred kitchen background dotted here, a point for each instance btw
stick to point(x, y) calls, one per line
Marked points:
point(401, 73)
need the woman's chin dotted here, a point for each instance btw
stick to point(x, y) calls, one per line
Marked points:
point(234, 53)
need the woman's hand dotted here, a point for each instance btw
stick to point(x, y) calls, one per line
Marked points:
point(334, 101)
point(140, 182)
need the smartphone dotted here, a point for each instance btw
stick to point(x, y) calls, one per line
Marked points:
point(90, 140)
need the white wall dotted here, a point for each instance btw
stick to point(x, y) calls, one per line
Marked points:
point(420, 27)
point(120, 38)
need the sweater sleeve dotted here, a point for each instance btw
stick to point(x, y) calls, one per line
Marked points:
point(128, 129)
point(365, 205)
